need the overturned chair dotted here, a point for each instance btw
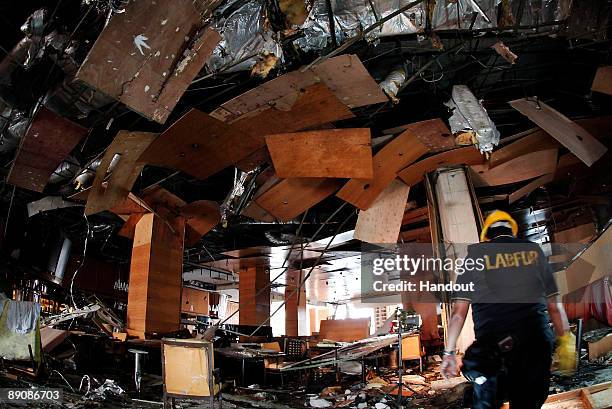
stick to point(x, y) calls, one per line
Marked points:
point(188, 371)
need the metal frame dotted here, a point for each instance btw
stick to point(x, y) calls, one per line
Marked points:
point(168, 398)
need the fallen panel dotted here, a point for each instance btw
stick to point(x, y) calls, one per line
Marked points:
point(397, 154)
point(530, 187)
point(147, 56)
point(129, 227)
point(291, 197)
point(381, 223)
point(183, 145)
point(415, 215)
point(345, 75)
point(525, 167)
point(414, 173)
point(128, 146)
point(588, 266)
point(200, 217)
point(539, 140)
point(339, 153)
point(432, 133)
point(603, 80)
point(569, 133)
point(45, 145)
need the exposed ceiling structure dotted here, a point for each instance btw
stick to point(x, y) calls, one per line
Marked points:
point(202, 106)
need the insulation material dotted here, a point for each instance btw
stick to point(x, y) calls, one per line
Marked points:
point(245, 36)
point(148, 56)
point(392, 84)
point(469, 116)
point(352, 16)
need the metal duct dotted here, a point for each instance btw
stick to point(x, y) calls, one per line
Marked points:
point(59, 257)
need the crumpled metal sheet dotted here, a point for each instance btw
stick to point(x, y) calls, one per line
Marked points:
point(352, 16)
point(470, 115)
point(245, 36)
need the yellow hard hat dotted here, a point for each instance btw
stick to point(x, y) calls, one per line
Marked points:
point(494, 217)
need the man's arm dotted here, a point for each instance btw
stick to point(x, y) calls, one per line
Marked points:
point(557, 315)
point(449, 363)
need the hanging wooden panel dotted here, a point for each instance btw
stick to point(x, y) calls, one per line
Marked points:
point(414, 173)
point(291, 197)
point(183, 145)
point(128, 146)
point(45, 145)
point(569, 133)
point(397, 154)
point(147, 56)
point(340, 153)
point(525, 167)
point(381, 223)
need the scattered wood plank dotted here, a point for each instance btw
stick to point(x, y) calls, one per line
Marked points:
point(414, 173)
point(340, 153)
point(129, 146)
point(525, 167)
point(582, 233)
point(570, 134)
point(397, 154)
point(344, 75)
point(381, 223)
point(432, 133)
point(200, 217)
point(45, 145)
point(539, 140)
point(603, 80)
point(530, 187)
point(147, 56)
point(291, 197)
point(183, 144)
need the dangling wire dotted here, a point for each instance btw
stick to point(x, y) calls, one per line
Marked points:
point(80, 264)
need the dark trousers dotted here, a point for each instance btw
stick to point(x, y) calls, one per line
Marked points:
point(521, 375)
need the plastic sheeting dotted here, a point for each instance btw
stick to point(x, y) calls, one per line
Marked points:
point(245, 36)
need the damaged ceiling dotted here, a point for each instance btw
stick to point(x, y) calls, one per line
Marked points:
point(267, 124)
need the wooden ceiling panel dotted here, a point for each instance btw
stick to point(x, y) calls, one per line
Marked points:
point(147, 56)
point(432, 133)
point(539, 140)
point(345, 75)
point(574, 137)
point(201, 145)
point(397, 154)
point(414, 173)
point(129, 146)
point(525, 167)
point(45, 145)
point(340, 153)
point(381, 223)
point(291, 197)
point(200, 216)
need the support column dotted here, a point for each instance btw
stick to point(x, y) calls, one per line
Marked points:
point(296, 320)
point(154, 297)
point(254, 309)
point(457, 214)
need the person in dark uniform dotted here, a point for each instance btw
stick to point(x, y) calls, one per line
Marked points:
point(514, 300)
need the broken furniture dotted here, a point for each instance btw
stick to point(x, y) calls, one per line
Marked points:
point(138, 356)
point(347, 330)
point(412, 349)
point(188, 371)
point(249, 356)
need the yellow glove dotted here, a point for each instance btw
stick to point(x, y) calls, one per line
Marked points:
point(566, 353)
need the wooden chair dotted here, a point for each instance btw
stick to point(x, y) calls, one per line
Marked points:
point(272, 365)
point(412, 349)
point(188, 371)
